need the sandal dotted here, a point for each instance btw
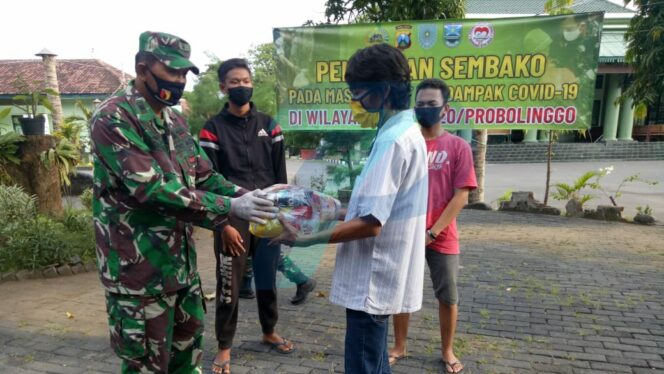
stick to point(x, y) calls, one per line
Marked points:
point(281, 347)
point(453, 367)
point(393, 359)
point(220, 367)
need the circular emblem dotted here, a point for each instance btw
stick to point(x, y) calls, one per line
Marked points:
point(377, 35)
point(481, 34)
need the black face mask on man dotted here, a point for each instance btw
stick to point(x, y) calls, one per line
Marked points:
point(240, 95)
point(428, 117)
point(167, 93)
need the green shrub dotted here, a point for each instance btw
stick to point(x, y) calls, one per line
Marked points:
point(32, 241)
point(77, 219)
point(42, 242)
point(15, 207)
point(32, 245)
point(86, 198)
point(9, 145)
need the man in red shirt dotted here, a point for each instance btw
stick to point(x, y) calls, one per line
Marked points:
point(451, 177)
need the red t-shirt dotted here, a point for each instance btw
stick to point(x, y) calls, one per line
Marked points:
point(450, 162)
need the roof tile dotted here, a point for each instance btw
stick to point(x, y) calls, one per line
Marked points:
point(75, 77)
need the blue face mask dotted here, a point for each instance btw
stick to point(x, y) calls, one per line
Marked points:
point(428, 117)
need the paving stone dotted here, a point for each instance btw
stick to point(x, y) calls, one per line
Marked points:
point(623, 347)
point(91, 266)
point(64, 270)
point(525, 330)
point(77, 268)
point(9, 276)
point(50, 272)
point(657, 364)
point(293, 369)
point(53, 368)
point(628, 360)
point(610, 368)
point(27, 274)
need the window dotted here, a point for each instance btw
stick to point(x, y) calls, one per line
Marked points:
point(594, 120)
point(599, 82)
point(656, 112)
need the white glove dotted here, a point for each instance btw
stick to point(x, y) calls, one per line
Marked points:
point(254, 207)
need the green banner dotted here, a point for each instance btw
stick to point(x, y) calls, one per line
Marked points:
point(510, 73)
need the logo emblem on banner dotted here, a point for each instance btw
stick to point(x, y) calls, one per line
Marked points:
point(404, 36)
point(376, 36)
point(452, 35)
point(481, 34)
point(426, 35)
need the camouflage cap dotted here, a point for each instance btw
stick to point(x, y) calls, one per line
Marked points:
point(171, 50)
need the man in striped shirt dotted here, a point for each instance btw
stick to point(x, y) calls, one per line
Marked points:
point(379, 267)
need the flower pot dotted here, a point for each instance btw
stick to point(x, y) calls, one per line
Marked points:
point(33, 126)
point(307, 154)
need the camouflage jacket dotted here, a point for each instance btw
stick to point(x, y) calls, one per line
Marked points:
point(152, 181)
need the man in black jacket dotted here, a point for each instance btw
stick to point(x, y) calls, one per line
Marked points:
point(246, 146)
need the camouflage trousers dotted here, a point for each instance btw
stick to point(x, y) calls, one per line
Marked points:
point(157, 334)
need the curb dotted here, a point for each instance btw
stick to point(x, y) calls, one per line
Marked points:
point(49, 272)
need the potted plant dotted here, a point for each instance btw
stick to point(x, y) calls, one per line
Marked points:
point(344, 178)
point(29, 101)
point(572, 193)
point(306, 141)
point(644, 215)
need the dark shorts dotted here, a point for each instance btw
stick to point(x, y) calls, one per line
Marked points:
point(444, 270)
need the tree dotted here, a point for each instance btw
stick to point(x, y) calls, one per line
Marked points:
point(556, 7)
point(645, 53)
point(206, 100)
point(390, 10)
point(263, 63)
point(479, 161)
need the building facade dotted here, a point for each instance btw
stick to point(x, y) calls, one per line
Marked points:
point(610, 120)
point(86, 80)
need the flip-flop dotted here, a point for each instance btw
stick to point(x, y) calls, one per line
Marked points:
point(393, 359)
point(452, 366)
point(221, 366)
point(284, 343)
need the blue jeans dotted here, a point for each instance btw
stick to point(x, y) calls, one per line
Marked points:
point(366, 343)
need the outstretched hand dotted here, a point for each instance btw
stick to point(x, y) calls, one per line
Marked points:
point(289, 234)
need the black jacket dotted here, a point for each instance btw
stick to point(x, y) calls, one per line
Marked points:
point(248, 151)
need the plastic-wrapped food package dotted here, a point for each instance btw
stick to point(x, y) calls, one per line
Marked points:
point(307, 210)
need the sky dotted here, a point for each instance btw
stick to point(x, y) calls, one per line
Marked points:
point(109, 30)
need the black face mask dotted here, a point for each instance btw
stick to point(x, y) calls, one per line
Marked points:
point(167, 93)
point(428, 117)
point(240, 95)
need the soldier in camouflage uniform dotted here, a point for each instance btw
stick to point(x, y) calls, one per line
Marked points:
point(152, 181)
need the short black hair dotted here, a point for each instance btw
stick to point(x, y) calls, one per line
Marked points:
point(437, 84)
point(146, 57)
point(230, 64)
point(382, 64)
